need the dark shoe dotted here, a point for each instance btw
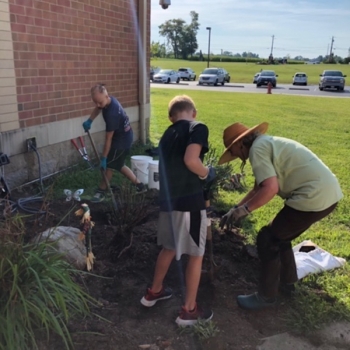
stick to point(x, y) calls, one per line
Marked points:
point(287, 290)
point(140, 188)
point(254, 301)
point(189, 318)
point(98, 197)
point(151, 298)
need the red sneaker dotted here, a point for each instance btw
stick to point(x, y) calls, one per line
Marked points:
point(151, 298)
point(189, 318)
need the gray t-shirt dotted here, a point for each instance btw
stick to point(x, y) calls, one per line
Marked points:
point(304, 181)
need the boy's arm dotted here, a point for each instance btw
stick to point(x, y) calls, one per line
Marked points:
point(192, 160)
point(96, 111)
point(108, 143)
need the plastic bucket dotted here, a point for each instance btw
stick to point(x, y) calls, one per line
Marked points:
point(139, 166)
point(153, 174)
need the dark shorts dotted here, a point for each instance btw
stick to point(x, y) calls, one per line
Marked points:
point(116, 158)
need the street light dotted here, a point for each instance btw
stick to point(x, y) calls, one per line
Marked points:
point(209, 28)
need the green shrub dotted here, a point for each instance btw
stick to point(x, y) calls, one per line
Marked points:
point(38, 294)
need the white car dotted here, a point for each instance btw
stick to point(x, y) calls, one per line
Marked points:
point(166, 76)
point(187, 74)
point(212, 76)
point(300, 79)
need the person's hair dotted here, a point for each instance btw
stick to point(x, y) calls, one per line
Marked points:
point(248, 140)
point(101, 88)
point(180, 104)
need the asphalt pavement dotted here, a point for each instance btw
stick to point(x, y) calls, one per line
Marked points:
point(282, 89)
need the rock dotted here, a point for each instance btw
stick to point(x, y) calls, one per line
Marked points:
point(67, 243)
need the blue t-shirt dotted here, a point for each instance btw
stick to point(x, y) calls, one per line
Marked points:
point(117, 120)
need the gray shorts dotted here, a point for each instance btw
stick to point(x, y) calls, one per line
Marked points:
point(184, 232)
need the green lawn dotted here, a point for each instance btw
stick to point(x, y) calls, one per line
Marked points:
point(244, 72)
point(322, 124)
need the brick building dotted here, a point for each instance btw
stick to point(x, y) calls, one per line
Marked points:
point(51, 53)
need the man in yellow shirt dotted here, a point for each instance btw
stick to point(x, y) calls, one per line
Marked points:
point(310, 190)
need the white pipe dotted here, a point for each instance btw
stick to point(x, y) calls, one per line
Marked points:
point(142, 55)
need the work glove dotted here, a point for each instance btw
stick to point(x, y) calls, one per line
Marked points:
point(103, 164)
point(208, 181)
point(87, 125)
point(233, 215)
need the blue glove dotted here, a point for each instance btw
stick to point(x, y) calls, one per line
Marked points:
point(208, 181)
point(103, 164)
point(87, 125)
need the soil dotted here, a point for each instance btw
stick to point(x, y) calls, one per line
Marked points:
point(121, 322)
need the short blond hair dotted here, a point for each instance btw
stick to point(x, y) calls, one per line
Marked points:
point(180, 104)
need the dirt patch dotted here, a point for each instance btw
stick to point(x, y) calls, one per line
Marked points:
point(120, 283)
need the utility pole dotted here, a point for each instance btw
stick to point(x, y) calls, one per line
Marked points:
point(273, 39)
point(327, 50)
point(330, 59)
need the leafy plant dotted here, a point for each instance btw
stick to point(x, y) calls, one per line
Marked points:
point(202, 329)
point(38, 293)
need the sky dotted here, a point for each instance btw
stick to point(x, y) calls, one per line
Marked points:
point(301, 28)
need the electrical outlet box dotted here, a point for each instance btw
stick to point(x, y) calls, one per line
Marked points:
point(31, 142)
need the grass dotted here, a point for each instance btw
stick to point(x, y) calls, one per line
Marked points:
point(322, 124)
point(244, 72)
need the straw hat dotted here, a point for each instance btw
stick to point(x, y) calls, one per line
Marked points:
point(235, 132)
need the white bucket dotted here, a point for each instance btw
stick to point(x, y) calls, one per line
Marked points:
point(139, 166)
point(153, 175)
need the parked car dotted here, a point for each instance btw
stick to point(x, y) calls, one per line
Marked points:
point(256, 76)
point(227, 76)
point(153, 71)
point(166, 76)
point(300, 78)
point(187, 74)
point(212, 76)
point(265, 77)
point(332, 79)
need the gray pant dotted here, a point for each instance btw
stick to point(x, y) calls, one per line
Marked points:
point(275, 247)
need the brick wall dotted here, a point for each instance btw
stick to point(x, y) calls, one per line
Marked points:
point(62, 47)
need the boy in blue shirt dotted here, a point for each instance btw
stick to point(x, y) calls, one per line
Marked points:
point(119, 137)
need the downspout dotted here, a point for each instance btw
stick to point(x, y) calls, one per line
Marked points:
point(142, 55)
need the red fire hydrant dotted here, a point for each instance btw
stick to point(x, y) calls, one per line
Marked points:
point(269, 87)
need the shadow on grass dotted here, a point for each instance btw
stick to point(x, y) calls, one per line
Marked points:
point(320, 299)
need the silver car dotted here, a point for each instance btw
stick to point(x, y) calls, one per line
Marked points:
point(166, 76)
point(187, 73)
point(300, 78)
point(332, 79)
point(212, 76)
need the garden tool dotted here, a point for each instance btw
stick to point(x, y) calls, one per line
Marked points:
point(115, 206)
point(214, 268)
point(82, 150)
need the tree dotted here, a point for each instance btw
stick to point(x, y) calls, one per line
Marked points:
point(157, 49)
point(180, 36)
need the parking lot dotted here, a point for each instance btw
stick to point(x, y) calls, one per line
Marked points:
point(284, 89)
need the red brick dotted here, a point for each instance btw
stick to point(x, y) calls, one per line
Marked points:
point(29, 90)
point(15, 27)
point(53, 95)
point(43, 39)
point(48, 119)
point(30, 105)
point(33, 122)
point(40, 112)
point(36, 47)
point(29, 72)
point(55, 110)
point(58, 41)
point(24, 98)
point(32, 12)
point(61, 101)
point(44, 56)
point(38, 80)
point(45, 88)
point(41, 5)
point(21, 64)
point(50, 31)
point(17, 10)
point(20, 46)
point(36, 64)
point(28, 3)
point(47, 103)
point(25, 114)
point(62, 116)
point(42, 22)
point(27, 55)
point(39, 96)
point(24, 20)
point(34, 30)
point(57, 9)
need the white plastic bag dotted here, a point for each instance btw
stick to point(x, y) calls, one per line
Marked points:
point(314, 261)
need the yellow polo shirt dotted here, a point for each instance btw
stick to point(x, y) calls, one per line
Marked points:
point(304, 181)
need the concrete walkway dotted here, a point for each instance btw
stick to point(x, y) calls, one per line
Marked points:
point(333, 337)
